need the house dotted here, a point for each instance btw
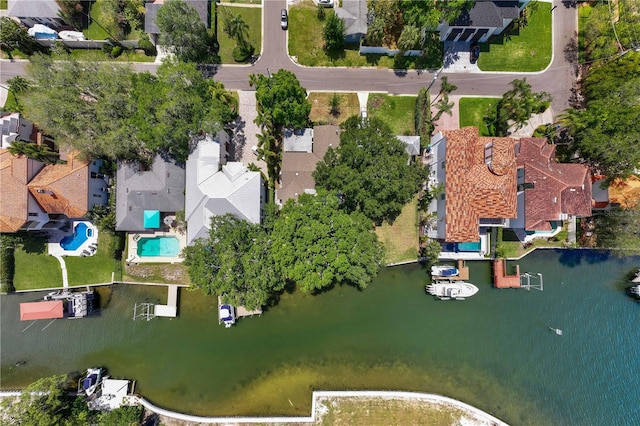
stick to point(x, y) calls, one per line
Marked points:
point(15, 127)
point(485, 19)
point(147, 193)
point(553, 192)
point(215, 188)
point(354, 15)
point(36, 196)
point(478, 175)
point(32, 12)
point(411, 146)
point(151, 11)
point(301, 152)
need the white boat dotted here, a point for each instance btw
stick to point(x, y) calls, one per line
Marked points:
point(71, 35)
point(635, 291)
point(447, 290)
point(90, 383)
point(226, 315)
point(637, 277)
point(444, 271)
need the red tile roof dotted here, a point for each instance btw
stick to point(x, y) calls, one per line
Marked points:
point(41, 310)
point(473, 188)
point(559, 188)
point(15, 173)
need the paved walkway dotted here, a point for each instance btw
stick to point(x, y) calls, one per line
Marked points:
point(244, 132)
point(63, 266)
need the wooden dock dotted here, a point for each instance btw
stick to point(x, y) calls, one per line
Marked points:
point(463, 273)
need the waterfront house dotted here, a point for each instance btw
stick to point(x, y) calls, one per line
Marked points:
point(36, 196)
point(146, 193)
point(486, 18)
point(302, 150)
point(478, 178)
point(550, 192)
point(215, 188)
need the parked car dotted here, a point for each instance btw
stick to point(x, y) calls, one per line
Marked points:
point(475, 53)
point(325, 3)
point(284, 20)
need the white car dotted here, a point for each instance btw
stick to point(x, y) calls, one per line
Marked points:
point(284, 20)
point(325, 3)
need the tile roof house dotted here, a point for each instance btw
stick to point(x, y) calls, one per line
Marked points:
point(161, 188)
point(300, 155)
point(354, 15)
point(485, 19)
point(37, 196)
point(478, 175)
point(215, 188)
point(151, 11)
point(552, 191)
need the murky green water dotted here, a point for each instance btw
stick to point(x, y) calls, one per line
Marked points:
point(493, 351)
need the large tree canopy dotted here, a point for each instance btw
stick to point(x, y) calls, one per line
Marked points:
point(318, 245)
point(106, 110)
point(235, 262)
point(282, 99)
point(370, 169)
point(182, 31)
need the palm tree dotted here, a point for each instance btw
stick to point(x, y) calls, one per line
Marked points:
point(409, 39)
point(236, 28)
point(443, 106)
point(40, 153)
point(220, 94)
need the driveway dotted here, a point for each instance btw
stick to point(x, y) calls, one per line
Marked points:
point(244, 131)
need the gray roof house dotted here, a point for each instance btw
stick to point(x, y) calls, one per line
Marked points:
point(33, 8)
point(214, 188)
point(354, 15)
point(151, 11)
point(139, 190)
point(411, 144)
point(299, 157)
point(485, 19)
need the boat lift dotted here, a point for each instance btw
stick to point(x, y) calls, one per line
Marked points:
point(143, 310)
point(525, 281)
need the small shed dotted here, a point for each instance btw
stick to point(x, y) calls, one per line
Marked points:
point(41, 310)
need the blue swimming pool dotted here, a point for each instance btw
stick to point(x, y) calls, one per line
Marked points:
point(80, 234)
point(158, 246)
point(473, 246)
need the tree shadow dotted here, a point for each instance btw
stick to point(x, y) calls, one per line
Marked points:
point(32, 243)
point(575, 257)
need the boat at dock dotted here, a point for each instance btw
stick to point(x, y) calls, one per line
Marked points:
point(451, 290)
point(91, 381)
point(635, 291)
point(444, 271)
point(226, 315)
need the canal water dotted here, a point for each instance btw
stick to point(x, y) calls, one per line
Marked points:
point(494, 350)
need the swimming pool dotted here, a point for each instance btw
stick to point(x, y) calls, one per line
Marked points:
point(473, 246)
point(80, 234)
point(158, 246)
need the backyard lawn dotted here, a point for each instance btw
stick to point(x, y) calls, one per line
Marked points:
point(96, 31)
point(473, 111)
point(99, 55)
point(320, 111)
point(36, 269)
point(253, 18)
point(401, 239)
point(527, 50)
point(397, 111)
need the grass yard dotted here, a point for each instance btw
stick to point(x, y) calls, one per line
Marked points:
point(99, 55)
point(4, 4)
point(96, 31)
point(252, 16)
point(306, 44)
point(397, 111)
point(349, 105)
point(35, 268)
point(98, 268)
point(11, 104)
point(528, 50)
point(473, 110)
point(511, 247)
point(401, 239)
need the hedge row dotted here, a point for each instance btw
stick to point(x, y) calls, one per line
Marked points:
point(7, 264)
point(422, 117)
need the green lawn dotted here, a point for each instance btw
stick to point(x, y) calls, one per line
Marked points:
point(11, 104)
point(320, 110)
point(528, 50)
point(97, 29)
point(396, 111)
point(584, 11)
point(473, 111)
point(306, 44)
point(36, 269)
point(253, 17)
point(99, 55)
point(401, 239)
point(4, 4)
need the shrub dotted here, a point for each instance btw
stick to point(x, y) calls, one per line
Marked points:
point(145, 44)
point(7, 264)
point(107, 49)
point(242, 54)
point(116, 51)
point(422, 117)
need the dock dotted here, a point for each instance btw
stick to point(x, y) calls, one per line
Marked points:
point(500, 277)
point(150, 310)
point(244, 312)
point(463, 273)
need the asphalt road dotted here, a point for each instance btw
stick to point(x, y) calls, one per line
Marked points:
point(557, 79)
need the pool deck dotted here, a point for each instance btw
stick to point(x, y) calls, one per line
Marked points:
point(132, 244)
point(88, 248)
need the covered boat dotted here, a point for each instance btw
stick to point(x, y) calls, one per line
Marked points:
point(226, 315)
point(90, 383)
point(447, 290)
point(444, 271)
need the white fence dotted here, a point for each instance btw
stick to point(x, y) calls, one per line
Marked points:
point(379, 50)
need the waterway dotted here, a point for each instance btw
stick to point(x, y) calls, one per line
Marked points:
point(494, 350)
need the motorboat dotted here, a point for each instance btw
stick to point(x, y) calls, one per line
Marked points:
point(444, 271)
point(635, 291)
point(71, 35)
point(91, 381)
point(448, 290)
point(226, 315)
